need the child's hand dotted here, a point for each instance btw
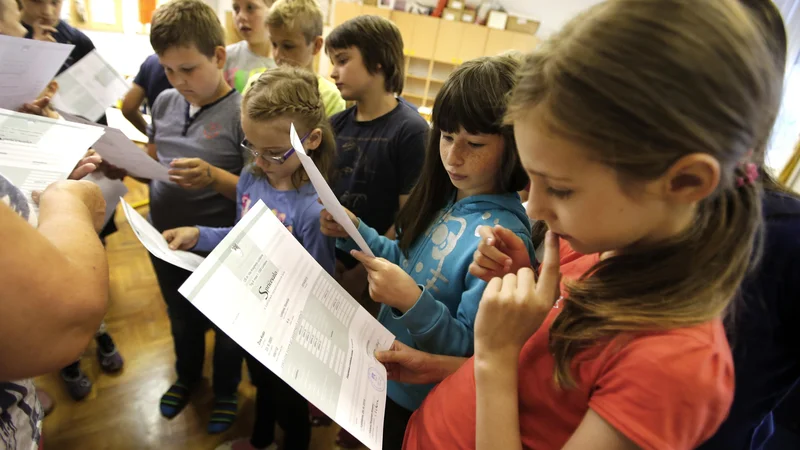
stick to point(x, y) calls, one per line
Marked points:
point(513, 307)
point(183, 238)
point(329, 227)
point(500, 252)
point(111, 171)
point(191, 173)
point(42, 32)
point(388, 283)
point(88, 164)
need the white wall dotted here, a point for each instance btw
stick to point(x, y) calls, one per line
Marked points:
point(551, 13)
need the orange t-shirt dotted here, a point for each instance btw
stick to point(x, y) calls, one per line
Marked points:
point(666, 390)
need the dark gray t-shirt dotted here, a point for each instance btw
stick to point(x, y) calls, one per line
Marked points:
point(213, 134)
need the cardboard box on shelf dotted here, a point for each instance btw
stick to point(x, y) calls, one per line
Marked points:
point(521, 25)
point(468, 16)
point(455, 4)
point(370, 2)
point(497, 20)
point(452, 14)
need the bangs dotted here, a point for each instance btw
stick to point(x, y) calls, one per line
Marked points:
point(475, 97)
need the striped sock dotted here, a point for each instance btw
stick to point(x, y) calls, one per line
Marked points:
point(174, 400)
point(223, 414)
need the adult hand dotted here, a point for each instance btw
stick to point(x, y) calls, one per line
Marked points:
point(85, 192)
point(407, 365)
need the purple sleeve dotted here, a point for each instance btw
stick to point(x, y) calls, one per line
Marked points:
point(210, 237)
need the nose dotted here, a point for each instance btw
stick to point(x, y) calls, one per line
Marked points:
point(538, 207)
point(334, 72)
point(453, 156)
point(50, 12)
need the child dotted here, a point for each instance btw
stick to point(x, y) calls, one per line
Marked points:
point(196, 130)
point(653, 174)
point(295, 30)
point(470, 179)
point(277, 98)
point(148, 84)
point(42, 20)
point(380, 140)
point(250, 55)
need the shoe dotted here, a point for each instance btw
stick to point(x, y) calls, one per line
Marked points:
point(110, 362)
point(174, 400)
point(244, 444)
point(79, 386)
point(223, 414)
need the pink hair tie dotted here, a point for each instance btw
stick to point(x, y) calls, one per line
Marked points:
point(750, 175)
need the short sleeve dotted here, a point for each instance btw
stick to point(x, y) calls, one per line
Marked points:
point(667, 391)
point(143, 76)
point(410, 156)
point(155, 113)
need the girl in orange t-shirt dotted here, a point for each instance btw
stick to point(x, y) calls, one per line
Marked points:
point(635, 124)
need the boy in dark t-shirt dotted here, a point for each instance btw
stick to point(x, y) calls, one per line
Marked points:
point(149, 82)
point(41, 19)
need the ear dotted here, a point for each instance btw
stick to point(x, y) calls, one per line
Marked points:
point(221, 55)
point(314, 139)
point(691, 178)
point(318, 41)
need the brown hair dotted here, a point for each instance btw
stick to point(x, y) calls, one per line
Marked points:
point(303, 14)
point(186, 23)
point(473, 97)
point(380, 44)
point(640, 84)
point(294, 92)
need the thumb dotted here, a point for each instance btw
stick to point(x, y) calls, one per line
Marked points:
point(35, 195)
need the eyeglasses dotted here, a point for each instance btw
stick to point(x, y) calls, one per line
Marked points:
point(272, 159)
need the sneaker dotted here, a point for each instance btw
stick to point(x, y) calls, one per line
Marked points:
point(244, 444)
point(78, 385)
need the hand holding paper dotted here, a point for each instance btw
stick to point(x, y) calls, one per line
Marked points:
point(326, 195)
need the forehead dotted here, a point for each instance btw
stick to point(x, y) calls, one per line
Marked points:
point(181, 54)
point(541, 150)
point(285, 33)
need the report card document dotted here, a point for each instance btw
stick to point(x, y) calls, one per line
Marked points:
point(263, 289)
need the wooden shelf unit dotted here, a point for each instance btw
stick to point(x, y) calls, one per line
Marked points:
point(435, 47)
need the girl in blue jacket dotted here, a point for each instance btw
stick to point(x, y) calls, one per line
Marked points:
point(470, 179)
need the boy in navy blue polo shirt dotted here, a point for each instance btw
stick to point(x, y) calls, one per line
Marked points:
point(149, 82)
point(42, 20)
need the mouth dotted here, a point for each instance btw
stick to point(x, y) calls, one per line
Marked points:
point(456, 177)
point(245, 29)
point(339, 86)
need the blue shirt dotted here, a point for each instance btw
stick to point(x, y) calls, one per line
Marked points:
point(67, 34)
point(297, 209)
point(443, 318)
point(764, 335)
point(152, 79)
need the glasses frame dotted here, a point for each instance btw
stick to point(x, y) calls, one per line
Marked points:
point(272, 159)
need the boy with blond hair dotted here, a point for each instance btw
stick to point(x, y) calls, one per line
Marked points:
point(196, 131)
point(252, 54)
point(295, 30)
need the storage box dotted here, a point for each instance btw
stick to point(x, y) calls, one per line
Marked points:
point(452, 14)
point(497, 20)
point(521, 25)
point(468, 16)
point(370, 2)
point(455, 4)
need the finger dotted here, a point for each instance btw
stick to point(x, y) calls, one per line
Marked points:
point(184, 163)
point(494, 286)
point(509, 239)
point(48, 28)
point(370, 262)
point(509, 287)
point(549, 273)
point(526, 282)
point(35, 195)
point(82, 170)
point(389, 357)
point(487, 234)
point(480, 273)
point(491, 258)
point(31, 108)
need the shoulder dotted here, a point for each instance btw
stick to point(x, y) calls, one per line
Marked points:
point(75, 35)
point(308, 210)
point(234, 49)
point(341, 119)
point(687, 372)
point(411, 118)
point(167, 101)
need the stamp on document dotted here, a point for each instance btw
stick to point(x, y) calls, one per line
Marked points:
point(376, 379)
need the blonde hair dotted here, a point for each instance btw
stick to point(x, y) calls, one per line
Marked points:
point(186, 23)
point(293, 92)
point(640, 84)
point(303, 14)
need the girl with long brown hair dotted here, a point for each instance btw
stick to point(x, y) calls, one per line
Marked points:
point(636, 124)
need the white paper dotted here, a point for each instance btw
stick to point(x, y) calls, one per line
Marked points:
point(36, 151)
point(326, 195)
point(120, 151)
point(27, 67)
point(264, 290)
point(118, 121)
point(88, 87)
point(113, 190)
point(154, 242)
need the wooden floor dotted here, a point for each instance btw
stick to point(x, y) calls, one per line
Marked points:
point(122, 411)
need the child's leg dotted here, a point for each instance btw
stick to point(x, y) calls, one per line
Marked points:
point(188, 334)
point(395, 422)
point(107, 353)
point(227, 373)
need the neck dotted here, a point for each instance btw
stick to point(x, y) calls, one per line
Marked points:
point(373, 106)
point(222, 91)
point(282, 183)
point(259, 48)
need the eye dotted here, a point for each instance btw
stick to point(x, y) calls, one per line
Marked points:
point(187, 70)
point(447, 137)
point(560, 193)
point(476, 144)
